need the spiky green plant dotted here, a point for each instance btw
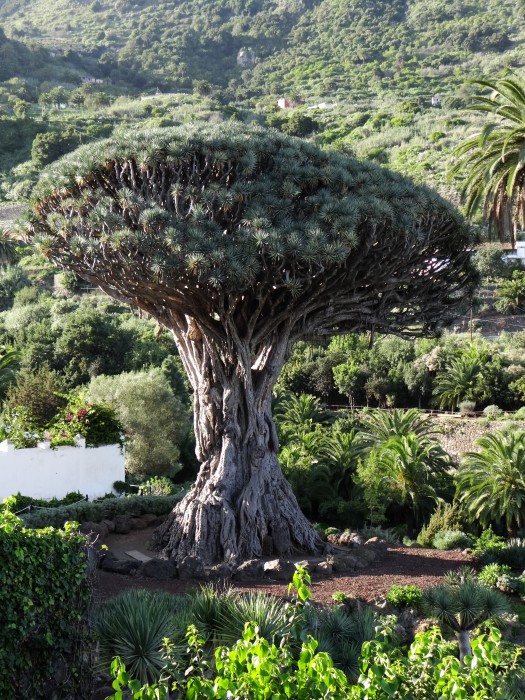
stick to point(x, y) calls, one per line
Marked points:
point(133, 625)
point(208, 607)
point(464, 607)
point(271, 615)
point(341, 633)
point(456, 381)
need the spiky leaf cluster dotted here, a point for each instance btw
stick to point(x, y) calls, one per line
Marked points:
point(230, 219)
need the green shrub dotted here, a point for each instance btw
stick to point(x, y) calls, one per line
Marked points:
point(451, 539)
point(96, 422)
point(45, 594)
point(490, 574)
point(509, 584)
point(332, 531)
point(254, 668)
point(404, 596)
point(520, 414)
point(154, 419)
point(457, 577)
point(271, 617)
point(390, 535)
point(251, 668)
point(492, 411)
point(340, 633)
point(106, 510)
point(467, 408)
point(20, 428)
point(157, 486)
point(339, 597)
point(488, 541)
point(513, 554)
point(446, 517)
point(20, 502)
point(122, 487)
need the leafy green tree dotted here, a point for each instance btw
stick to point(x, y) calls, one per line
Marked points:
point(299, 124)
point(465, 607)
point(510, 294)
point(89, 342)
point(490, 264)
point(491, 482)
point(58, 96)
point(39, 391)
point(242, 241)
point(12, 279)
point(349, 379)
point(49, 146)
point(21, 109)
point(492, 162)
point(154, 420)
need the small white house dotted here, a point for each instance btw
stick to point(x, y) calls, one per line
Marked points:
point(42, 472)
point(517, 254)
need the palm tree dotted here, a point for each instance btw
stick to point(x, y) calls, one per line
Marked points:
point(495, 158)
point(9, 364)
point(413, 467)
point(341, 453)
point(379, 426)
point(465, 607)
point(456, 381)
point(296, 416)
point(309, 476)
point(8, 247)
point(491, 482)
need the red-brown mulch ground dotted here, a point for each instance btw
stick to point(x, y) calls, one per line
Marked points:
point(398, 565)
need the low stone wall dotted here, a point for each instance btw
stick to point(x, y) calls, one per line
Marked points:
point(458, 435)
point(42, 472)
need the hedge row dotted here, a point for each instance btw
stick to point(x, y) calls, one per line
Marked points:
point(104, 510)
point(45, 592)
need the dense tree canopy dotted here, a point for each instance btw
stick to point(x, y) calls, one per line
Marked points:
point(241, 241)
point(183, 218)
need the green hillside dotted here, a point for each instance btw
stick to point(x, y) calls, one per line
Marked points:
point(373, 65)
point(362, 47)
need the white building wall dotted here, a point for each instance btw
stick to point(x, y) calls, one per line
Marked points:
point(41, 472)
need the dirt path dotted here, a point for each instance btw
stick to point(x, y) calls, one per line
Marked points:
point(400, 565)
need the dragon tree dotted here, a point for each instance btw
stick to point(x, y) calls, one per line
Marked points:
point(241, 241)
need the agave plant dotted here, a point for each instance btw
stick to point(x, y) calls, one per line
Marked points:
point(207, 611)
point(271, 616)
point(133, 625)
point(340, 633)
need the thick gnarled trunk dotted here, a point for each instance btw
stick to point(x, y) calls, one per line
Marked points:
point(240, 503)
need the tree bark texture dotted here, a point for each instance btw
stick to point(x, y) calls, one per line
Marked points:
point(465, 648)
point(240, 498)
